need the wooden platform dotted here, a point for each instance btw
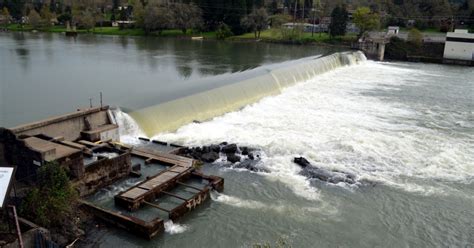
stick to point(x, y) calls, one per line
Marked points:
point(166, 158)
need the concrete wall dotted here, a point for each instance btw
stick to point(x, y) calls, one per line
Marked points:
point(463, 49)
point(104, 172)
point(459, 50)
point(68, 126)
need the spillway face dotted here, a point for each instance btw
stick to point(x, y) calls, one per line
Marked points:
point(171, 115)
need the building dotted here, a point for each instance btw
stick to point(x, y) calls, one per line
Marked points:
point(393, 30)
point(459, 47)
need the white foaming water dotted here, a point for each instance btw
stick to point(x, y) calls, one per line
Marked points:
point(174, 228)
point(128, 128)
point(296, 211)
point(336, 125)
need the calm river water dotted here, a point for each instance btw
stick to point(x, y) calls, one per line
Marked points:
point(406, 128)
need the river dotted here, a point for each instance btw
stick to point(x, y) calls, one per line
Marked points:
point(406, 128)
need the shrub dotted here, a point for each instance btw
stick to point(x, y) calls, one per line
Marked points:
point(415, 37)
point(223, 31)
point(50, 202)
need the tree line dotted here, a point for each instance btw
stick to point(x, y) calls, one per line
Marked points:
point(234, 16)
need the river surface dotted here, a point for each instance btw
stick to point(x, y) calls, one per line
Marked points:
point(406, 128)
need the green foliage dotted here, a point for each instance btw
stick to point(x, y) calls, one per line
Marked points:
point(6, 15)
point(366, 20)
point(46, 16)
point(51, 201)
point(138, 14)
point(223, 31)
point(415, 37)
point(339, 17)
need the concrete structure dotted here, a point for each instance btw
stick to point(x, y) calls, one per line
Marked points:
point(65, 139)
point(85, 143)
point(373, 47)
point(393, 30)
point(459, 47)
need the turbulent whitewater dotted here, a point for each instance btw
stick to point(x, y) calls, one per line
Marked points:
point(406, 127)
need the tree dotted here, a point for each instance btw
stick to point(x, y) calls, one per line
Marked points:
point(186, 16)
point(34, 19)
point(87, 21)
point(256, 21)
point(46, 16)
point(157, 18)
point(339, 18)
point(223, 31)
point(51, 201)
point(415, 37)
point(366, 20)
point(6, 15)
point(138, 13)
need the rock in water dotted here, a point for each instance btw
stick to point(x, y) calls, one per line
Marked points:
point(233, 158)
point(210, 157)
point(215, 148)
point(303, 162)
point(329, 176)
point(232, 148)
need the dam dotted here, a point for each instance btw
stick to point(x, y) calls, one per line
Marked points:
point(407, 128)
point(202, 106)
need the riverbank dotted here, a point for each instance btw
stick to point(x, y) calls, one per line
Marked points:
point(270, 35)
point(112, 31)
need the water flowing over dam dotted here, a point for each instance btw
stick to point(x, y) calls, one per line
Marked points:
point(202, 106)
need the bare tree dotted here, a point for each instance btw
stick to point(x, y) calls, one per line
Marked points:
point(157, 18)
point(256, 21)
point(186, 16)
point(34, 19)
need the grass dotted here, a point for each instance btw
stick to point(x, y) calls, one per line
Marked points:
point(275, 35)
point(116, 31)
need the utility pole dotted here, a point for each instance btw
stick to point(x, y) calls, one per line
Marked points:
point(314, 17)
point(18, 230)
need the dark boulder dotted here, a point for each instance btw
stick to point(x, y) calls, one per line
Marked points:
point(210, 157)
point(250, 165)
point(303, 162)
point(244, 150)
point(215, 148)
point(251, 156)
point(330, 176)
point(231, 157)
point(231, 148)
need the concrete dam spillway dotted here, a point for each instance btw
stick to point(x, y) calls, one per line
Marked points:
point(202, 106)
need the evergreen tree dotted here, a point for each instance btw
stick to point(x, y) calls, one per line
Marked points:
point(339, 18)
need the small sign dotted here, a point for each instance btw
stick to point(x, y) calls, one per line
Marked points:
point(6, 174)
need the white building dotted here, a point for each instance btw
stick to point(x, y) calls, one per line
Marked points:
point(459, 45)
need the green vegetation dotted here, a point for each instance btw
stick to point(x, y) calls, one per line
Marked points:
point(338, 24)
point(399, 49)
point(366, 20)
point(415, 37)
point(276, 35)
point(52, 200)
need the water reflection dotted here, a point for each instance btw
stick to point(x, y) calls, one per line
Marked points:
point(62, 72)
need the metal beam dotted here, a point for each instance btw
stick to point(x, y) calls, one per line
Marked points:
point(189, 186)
point(173, 195)
point(156, 206)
